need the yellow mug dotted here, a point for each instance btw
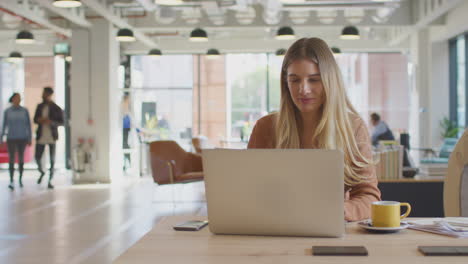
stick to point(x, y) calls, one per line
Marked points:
point(387, 213)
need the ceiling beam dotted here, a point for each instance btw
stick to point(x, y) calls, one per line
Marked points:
point(25, 12)
point(118, 21)
point(67, 14)
point(425, 20)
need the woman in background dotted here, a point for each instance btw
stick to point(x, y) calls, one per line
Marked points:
point(17, 128)
point(315, 113)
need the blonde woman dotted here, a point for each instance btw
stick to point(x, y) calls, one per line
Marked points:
point(315, 113)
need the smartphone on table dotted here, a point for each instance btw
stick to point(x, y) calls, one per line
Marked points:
point(193, 225)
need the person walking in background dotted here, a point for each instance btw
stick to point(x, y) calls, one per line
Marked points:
point(17, 128)
point(381, 130)
point(48, 116)
point(125, 109)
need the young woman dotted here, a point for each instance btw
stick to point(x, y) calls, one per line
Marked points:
point(316, 113)
point(17, 127)
point(48, 116)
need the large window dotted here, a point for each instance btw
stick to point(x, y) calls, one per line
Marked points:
point(458, 84)
point(378, 82)
point(161, 92)
point(222, 99)
point(461, 86)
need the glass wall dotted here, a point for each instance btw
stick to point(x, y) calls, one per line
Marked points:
point(461, 82)
point(378, 82)
point(28, 77)
point(161, 92)
point(179, 97)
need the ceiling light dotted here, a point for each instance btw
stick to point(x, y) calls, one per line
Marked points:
point(169, 2)
point(280, 52)
point(336, 50)
point(155, 52)
point(213, 54)
point(15, 56)
point(67, 3)
point(24, 37)
point(350, 32)
point(125, 35)
point(285, 33)
point(292, 1)
point(198, 35)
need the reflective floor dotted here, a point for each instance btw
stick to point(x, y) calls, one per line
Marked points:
point(85, 223)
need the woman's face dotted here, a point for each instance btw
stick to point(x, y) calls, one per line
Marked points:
point(16, 99)
point(305, 85)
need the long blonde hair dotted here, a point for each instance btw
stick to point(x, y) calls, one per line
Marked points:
point(334, 130)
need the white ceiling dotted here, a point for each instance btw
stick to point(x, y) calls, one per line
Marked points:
point(232, 25)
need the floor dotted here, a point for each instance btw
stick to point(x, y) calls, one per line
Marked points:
point(85, 223)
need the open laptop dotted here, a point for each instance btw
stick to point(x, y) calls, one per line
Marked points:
point(285, 192)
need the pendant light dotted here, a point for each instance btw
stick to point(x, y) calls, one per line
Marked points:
point(213, 54)
point(285, 33)
point(280, 52)
point(198, 35)
point(15, 56)
point(125, 35)
point(336, 50)
point(67, 3)
point(169, 2)
point(25, 37)
point(350, 32)
point(155, 52)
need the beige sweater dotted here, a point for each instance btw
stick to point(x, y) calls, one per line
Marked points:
point(358, 198)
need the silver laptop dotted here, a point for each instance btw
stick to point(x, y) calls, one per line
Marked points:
point(283, 192)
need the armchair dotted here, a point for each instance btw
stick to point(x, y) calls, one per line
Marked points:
point(456, 181)
point(172, 164)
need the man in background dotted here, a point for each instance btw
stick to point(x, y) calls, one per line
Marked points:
point(381, 130)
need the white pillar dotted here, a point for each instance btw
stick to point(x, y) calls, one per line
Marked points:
point(420, 127)
point(440, 89)
point(95, 97)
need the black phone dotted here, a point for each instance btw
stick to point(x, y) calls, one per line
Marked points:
point(444, 250)
point(339, 251)
point(193, 225)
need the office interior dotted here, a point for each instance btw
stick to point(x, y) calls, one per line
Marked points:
point(200, 73)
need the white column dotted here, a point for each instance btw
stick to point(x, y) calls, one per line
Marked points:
point(95, 110)
point(420, 128)
point(440, 89)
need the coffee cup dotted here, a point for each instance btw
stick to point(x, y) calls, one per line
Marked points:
point(387, 213)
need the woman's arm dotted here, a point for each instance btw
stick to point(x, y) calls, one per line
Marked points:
point(28, 125)
point(4, 127)
point(361, 196)
point(263, 133)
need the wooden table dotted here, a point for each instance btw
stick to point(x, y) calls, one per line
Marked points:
point(164, 245)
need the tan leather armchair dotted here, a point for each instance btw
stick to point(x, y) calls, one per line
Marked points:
point(456, 181)
point(172, 164)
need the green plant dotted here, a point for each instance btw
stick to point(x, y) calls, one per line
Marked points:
point(449, 128)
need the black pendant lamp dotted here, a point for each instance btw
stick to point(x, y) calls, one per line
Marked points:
point(155, 52)
point(280, 52)
point(15, 56)
point(198, 35)
point(67, 3)
point(125, 35)
point(25, 37)
point(213, 53)
point(350, 32)
point(285, 33)
point(336, 50)
point(169, 2)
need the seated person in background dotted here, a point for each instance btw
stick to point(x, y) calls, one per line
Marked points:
point(381, 130)
point(315, 113)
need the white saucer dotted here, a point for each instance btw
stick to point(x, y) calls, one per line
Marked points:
point(367, 224)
